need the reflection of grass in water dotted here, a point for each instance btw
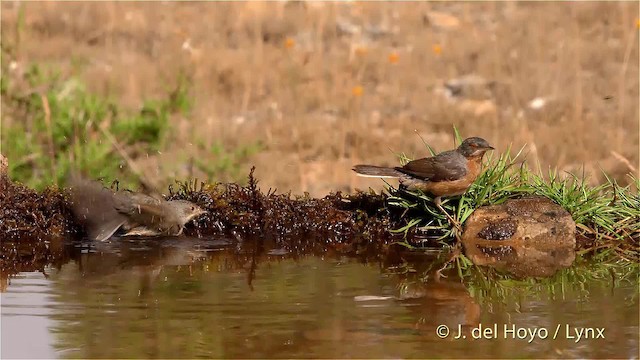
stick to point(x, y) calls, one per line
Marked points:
point(608, 215)
point(487, 284)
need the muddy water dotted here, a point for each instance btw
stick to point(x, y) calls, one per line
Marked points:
point(188, 299)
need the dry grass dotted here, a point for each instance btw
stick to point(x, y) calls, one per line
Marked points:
point(320, 99)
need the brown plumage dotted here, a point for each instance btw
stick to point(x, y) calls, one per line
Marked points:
point(449, 173)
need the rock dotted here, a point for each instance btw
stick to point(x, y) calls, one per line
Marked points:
point(471, 86)
point(471, 94)
point(528, 237)
point(442, 21)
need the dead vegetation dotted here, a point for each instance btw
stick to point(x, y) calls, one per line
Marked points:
point(37, 216)
point(243, 212)
point(345, 222)
point(38, 227)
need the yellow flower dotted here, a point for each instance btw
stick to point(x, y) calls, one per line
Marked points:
point(394, 58)
point(437, 49)
point(357, 91)
point(289, 43)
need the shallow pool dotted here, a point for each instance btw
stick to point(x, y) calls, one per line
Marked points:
point(189, 299)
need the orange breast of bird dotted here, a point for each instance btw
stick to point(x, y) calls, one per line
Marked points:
point(455, 187)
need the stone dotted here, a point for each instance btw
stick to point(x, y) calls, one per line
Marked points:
point(531, 236)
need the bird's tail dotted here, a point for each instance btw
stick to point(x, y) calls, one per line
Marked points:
point(376, 171)
point(94, 207)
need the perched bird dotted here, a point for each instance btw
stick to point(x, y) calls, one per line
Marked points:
point(103, 212)
point(449, 173)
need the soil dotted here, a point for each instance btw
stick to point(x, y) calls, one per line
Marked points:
point(323, 86)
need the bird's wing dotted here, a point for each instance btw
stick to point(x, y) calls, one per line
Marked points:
point(93, 207)
point(131, 203)
point(141, 209)
point(446, 166)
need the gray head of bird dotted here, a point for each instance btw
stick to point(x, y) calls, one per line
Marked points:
point(474, 146)
point(186, 210)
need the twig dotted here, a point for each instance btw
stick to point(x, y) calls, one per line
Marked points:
point(47, 121)
point(132, 165)
point(624, 160)
point(622, 86)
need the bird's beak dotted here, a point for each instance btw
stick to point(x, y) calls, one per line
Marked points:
point(197, 214)
point(490, 147)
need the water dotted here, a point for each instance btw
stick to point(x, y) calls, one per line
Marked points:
point(194, 299)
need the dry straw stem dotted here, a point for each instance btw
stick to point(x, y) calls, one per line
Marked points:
point(47, 121)
point(144, 180)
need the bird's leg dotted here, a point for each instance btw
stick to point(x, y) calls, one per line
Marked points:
point(453, 222)
point(456, 248)
point(454, 255)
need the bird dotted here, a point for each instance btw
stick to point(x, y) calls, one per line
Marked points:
point(449, 173)
point(103, 212)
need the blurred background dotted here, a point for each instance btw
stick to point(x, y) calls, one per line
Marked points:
point(152, 92)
